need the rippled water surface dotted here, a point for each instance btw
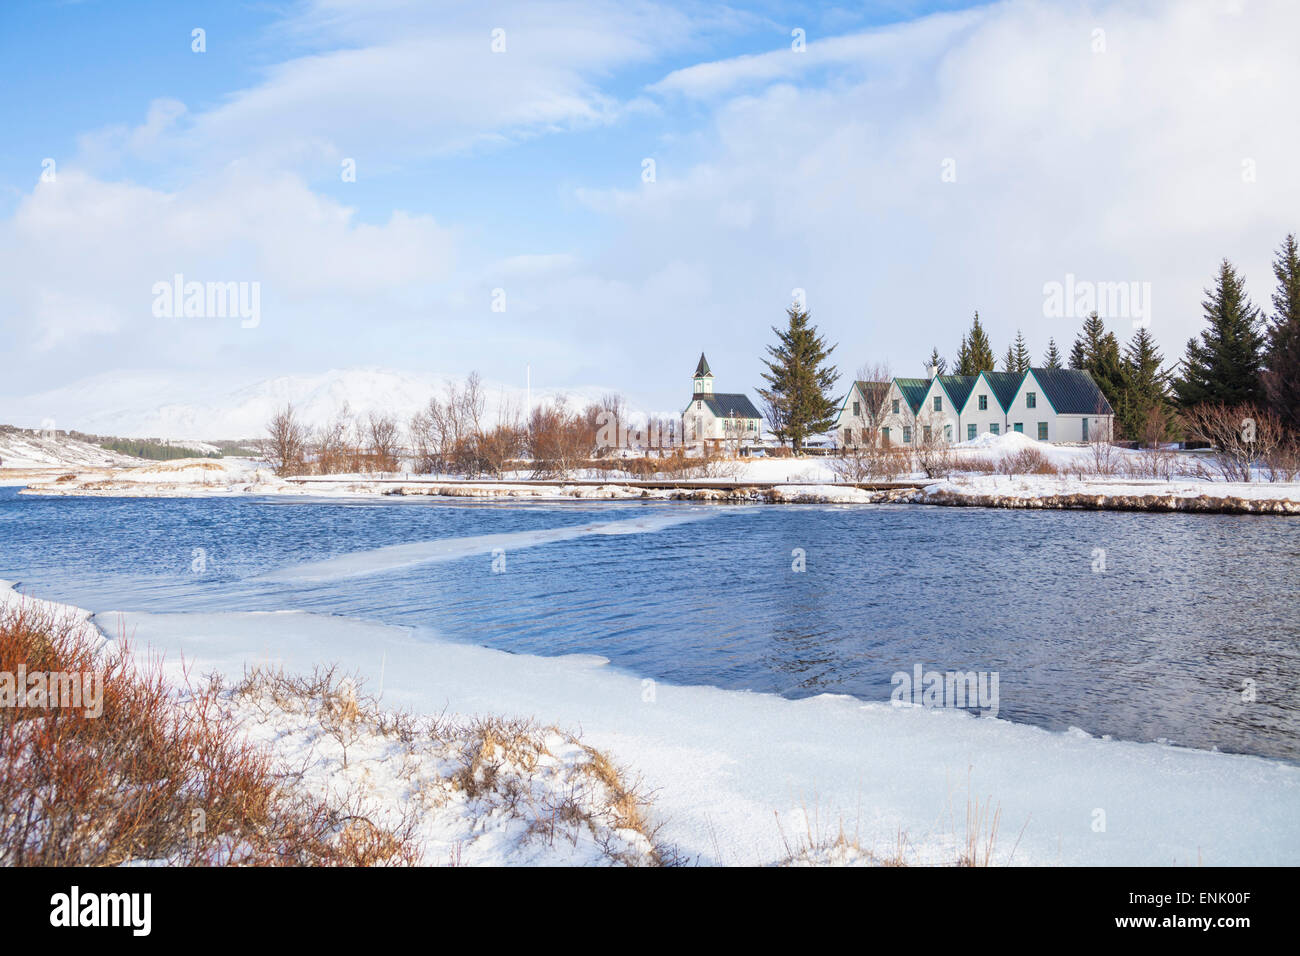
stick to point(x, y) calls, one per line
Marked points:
point(1159, 645)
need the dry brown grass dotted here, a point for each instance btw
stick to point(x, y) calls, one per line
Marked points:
point(152, 777)
point(546, 780)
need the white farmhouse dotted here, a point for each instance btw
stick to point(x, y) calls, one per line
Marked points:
point(714, 417)
point(1048, 404)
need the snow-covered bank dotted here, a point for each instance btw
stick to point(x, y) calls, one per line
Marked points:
point(738, 778)
point(224, 477)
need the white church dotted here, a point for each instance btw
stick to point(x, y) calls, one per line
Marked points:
point(714, 417)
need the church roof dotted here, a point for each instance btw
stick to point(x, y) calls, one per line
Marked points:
point(728, 405)
point(702, 369)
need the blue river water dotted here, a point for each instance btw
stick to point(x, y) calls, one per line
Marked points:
point(1183, 628)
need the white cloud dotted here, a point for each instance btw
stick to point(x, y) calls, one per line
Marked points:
point(83, 255)
point(823, 171)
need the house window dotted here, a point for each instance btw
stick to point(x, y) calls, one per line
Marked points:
point(895, 406)
point(994, 428)
point(925, 434)
point(1020, 427)
point(938, 403)
point(699, 405)
point(857, 409)
point(947, 433)
point(1042, 431)
point(1085, 429)
point(907, 434)
point(984, 403)
point(751, 425)
point(1031, 399)
point(884, 435)
point(970, 432)
point(848, 436)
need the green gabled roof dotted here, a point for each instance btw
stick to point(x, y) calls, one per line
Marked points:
point(1072, 391)
point(958, 388)
point(1004, 386)
point(913, 390)
point(702, 369)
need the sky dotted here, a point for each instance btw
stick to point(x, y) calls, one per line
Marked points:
point(600, 191)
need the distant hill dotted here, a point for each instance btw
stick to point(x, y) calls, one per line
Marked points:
point(175, 407)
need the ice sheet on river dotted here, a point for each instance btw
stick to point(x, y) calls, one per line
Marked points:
point(397, 556)
point(739, 774)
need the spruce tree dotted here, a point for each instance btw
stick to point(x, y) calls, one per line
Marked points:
point(976, 354)
point(936, 362)
point(1078, 354)
point(800, 380)
point(1098, 355)
point(1226, 365)
point(1145, 389)
point(1053, 357)
point(1282, 380)
point(963, 359)
point(1017, 357)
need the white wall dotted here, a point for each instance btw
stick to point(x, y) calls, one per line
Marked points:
point(982, 419)
point(1042, 412)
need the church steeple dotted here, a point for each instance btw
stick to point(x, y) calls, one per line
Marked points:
point(703, 377)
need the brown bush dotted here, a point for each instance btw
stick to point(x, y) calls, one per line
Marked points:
point(1026, 461)
point(150, 777)
point(1240, 437)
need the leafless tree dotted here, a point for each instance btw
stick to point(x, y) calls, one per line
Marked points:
point(875, 377)
point(286, 446)
point(384, 441)
point(560, 438)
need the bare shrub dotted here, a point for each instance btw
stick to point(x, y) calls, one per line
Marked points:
point(151, 778)
point(1026, 461)
point(286, 444)
point(560, 438)
point(1282, 463)
point(1156, 462)
point(860, 463)
point(1239, 437)
point(383, 441)
point(976, 464)
point(1103, 457)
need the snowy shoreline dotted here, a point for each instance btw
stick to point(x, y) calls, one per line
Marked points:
point(223, 478)
point(736, 775)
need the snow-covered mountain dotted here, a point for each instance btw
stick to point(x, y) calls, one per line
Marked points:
point(40, 450)
point(172, 406)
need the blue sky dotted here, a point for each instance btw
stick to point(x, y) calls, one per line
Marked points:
point(1105, 140)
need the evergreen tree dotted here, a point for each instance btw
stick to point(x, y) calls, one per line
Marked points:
point(1282, 380)
point(963, 358)
point(1017, 357)
point(799, 379)
point(1053, 357)
point(1078, 354)
point(1226, 365)
point(937, 362)
point(976, 354)
point(1145, 390)
point(1097, 352)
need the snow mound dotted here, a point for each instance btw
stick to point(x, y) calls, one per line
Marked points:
point(1008, 443)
